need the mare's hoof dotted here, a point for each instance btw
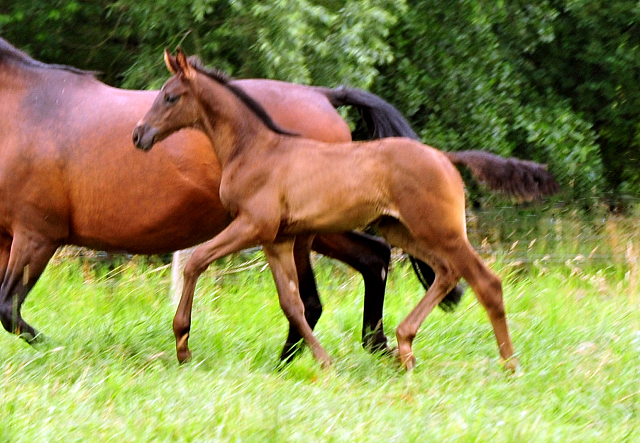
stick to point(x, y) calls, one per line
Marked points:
point(382, 350)
point(393, 352)
point(290, 351)
point(37, 340)
point(375, 342)
point(184, 356)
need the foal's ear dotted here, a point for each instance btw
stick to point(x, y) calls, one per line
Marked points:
point(170, 61)
point(184, 67)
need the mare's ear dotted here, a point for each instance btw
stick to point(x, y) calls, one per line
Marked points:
point(170, 61)
point(185, 68)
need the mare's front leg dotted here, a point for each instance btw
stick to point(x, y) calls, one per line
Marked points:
point(283, 267)
point(240, 234)
point(22, 260)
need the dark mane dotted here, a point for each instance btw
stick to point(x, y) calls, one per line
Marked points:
point(222, 78)
point(12, 54)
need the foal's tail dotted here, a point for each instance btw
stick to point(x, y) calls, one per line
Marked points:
point(383, 120)
point(521, 179)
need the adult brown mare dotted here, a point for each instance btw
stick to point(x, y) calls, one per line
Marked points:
point(69, 175)
point(278, 187)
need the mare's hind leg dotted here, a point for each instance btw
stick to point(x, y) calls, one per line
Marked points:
point(366, 254)
point(370, 257)
point(282, 264)
point(24, 259)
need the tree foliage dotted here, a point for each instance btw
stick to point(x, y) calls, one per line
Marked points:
point(592, 60)
point(554, 81)
point(462, 87)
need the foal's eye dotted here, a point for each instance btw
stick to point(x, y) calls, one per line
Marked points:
point(171, 99)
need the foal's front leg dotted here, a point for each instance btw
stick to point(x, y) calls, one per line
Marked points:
point(282, 264)
point(240, 234)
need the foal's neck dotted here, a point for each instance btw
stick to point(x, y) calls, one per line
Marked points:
point(229, 123)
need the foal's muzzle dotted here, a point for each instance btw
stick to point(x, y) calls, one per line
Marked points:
point(144, 137)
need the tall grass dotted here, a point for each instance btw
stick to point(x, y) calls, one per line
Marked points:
point(109, 373)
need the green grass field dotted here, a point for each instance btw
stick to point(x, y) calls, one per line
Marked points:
point(109, 372)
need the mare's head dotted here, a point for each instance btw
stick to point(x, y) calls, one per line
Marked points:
point(175, 107)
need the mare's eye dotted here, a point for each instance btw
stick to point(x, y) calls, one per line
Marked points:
point(171, 99)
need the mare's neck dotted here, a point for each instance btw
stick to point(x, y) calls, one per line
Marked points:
point(230, 125)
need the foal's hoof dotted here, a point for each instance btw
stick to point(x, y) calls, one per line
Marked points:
point(407, 361)
point(326, 364)
point(182, 349)
point(324, 359)
point(512, 365)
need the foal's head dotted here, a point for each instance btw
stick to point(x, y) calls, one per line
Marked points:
point(175, 107)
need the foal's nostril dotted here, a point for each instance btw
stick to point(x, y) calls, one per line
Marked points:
point(144, 137)
point(137, 137)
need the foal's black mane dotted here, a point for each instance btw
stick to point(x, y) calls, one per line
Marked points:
point(10, 53)
point(254, 106)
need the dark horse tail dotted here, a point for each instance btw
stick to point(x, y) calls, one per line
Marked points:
point(383, 120)
point(520, 179)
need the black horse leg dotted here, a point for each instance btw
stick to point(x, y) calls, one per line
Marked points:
point(308, 294)
point(370, 256)
point(366, 254)
point(28, 256)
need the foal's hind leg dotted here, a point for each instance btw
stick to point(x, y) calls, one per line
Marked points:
point(452, 257)
point(408, 328)
point(456, 262)
point(24, 260)
point(488, 289)
point(280, 258)
point(445, 280)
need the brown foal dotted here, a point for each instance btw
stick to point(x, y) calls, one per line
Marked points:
point(277, 186)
